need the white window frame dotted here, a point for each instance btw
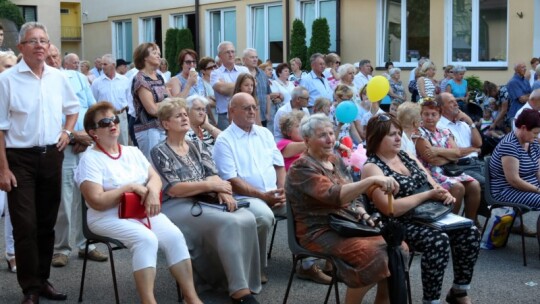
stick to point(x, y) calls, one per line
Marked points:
point(114, 42)
point(174, 17)
point(474, 37)
point(250, 27)
point(212, 49)
point(142, 28)
point(300, 14)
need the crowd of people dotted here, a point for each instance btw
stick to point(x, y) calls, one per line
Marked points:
point(232, 131)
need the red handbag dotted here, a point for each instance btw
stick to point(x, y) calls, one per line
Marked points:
point(131, 207)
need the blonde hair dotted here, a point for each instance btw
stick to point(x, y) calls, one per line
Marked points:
point(167, 106)
point(288, 120)
point(343, 92)
point(407, 113)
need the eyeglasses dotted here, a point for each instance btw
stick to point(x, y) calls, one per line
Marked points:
point(228, 52)
point(34, 42)
point(303, 98)
point(107, 121)
point(212, 67)
point(190, 62)
point(250, 108)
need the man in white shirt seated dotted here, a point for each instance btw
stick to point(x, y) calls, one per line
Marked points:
point(533, 103)
point(246, 155)
point(299, 101)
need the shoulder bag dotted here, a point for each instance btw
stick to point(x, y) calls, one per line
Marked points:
point(346, 224)
point(430, 210)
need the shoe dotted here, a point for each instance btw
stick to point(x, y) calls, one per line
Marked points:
point(454, 297)
point(526, 231)
point(328, 268)
point(94, 255)
point(49, 292)
point(314, 273)
point(59, 260)
point(10, 260)
point(247, 299)
point(264, 278)
point(32, 298)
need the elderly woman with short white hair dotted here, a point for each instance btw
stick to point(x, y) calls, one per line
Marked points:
point(397, 92)
point(346, 74)
point(201, 128)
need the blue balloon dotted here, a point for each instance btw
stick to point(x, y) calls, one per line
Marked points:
point(346, 111)
point(386, 100)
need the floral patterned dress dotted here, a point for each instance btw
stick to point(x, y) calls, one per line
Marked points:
point(441, 138)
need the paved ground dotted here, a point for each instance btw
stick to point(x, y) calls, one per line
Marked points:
point(499, 278)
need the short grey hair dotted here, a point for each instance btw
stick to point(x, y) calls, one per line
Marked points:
point(109, 58)
point(314, 57)
point(30, 26)
point(223, 43)
point(298, 91)
point(363, 62)
point(247, 50)
point(309, 124)
point(191, 99)
point(393, 71)
point(459, 69)
point(345, 68)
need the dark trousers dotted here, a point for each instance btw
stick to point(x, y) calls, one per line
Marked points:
point(131, 131)
point(33, 207)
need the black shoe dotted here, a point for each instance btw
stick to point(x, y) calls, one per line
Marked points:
point(247, 299)
point(32, 298)
point(453, 297)
point(49, 292)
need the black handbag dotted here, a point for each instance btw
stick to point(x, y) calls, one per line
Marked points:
point(429, 211)
point(451, 169)
point(348, 226)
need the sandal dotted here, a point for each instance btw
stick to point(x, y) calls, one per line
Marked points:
point(10, 260)
point(454, 297)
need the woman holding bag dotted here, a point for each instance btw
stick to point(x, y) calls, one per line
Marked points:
point(385, 158)
point(107, 171)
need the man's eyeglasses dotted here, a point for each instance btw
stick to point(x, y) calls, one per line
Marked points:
point(107, 121)
point(250, 108)
point(34, 42)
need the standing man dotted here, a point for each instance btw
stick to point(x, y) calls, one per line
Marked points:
point(518, 89)
point(223, 80)
point(53, 57)
point(71, 62)
point(69, 211)
point(114, 88)
point(315, 82)
point(263, 84)
point(364, 75)
point(33, 97)
point(246, 156)
point(97, 69)
point(121, 66)
point(299, 101)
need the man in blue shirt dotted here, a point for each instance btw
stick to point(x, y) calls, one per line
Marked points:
point(315, 82)
point(518, 88)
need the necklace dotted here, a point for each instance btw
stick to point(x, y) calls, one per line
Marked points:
point(107, 153)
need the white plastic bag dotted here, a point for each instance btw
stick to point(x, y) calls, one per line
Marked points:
point(498, 228)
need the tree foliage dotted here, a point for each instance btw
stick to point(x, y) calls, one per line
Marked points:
point(298, 41)
point(320, 37)
point(10, 11)
point(171, 49)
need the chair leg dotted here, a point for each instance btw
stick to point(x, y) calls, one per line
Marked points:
point(336, 290)
point(293, 270)
point(83, 271)
point(269, 256)
point(113, 273)
point(523, 238)
point(409, 290)
point(332, 283)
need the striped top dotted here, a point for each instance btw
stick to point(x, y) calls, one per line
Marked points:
point(528, 163)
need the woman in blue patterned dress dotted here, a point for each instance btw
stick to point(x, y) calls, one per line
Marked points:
point(436, 148)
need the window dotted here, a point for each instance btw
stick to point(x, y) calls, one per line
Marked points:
point(222, 28)
point(405, 32)
point(29, 12)
point(151, 31)
point(313, 9)
point(267, 31)
point(122, 41)
point(64, 11)
point(184, 21)
point(477, 32)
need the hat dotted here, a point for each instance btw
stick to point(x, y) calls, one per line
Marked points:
point(120, 62)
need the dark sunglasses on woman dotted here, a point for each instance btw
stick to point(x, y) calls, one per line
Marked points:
point(107, 121)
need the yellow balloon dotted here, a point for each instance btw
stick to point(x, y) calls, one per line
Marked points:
point(377, 88)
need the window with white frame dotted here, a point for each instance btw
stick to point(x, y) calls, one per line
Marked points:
point(267, 31)
point(123, 41)
point(313, 9)
point(222, 28)
point(404, 37)
point(151, 31)
point(477, 32)
point(183, 21)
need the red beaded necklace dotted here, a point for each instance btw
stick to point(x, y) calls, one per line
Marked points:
point(107, 153)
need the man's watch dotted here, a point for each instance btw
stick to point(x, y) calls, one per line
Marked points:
point(70, 135)
point(472, 126)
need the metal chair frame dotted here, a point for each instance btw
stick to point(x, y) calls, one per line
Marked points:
point(279, 218)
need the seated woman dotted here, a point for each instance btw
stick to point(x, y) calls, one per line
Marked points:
point(317, 185)
point(436, 148)
point(408, 115)
point(201, 128)
point(292, 145)
point(223, 245)
point(107, 171)
point(386, 159)
point(514, 165)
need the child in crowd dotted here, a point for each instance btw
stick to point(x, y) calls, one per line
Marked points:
point(246, 83)
point(484, 125)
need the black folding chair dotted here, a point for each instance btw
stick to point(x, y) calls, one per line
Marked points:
point(279, 218)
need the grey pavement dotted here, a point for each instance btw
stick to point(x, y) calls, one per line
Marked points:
point(499, 278)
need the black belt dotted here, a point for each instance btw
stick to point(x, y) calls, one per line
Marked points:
point(36, 149)
point(121, 110)
point(466, 160)
point(222, 113)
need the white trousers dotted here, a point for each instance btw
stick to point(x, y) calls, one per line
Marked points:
point(8, 228)
point(123, 138)
point(143, 243)
point(148, 139)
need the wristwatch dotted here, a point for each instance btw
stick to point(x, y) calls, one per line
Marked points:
point(472, 126)
point(70, 135)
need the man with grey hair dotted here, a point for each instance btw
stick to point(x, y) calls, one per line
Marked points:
point(33, 97)
point(97, 70)
point(315, 83)
point(299, 101)
point(518, 89)
point(263, 91)
point(114, 88)
point(223, 80)
point(71, 62)
point(364, 75)
point(53, 57)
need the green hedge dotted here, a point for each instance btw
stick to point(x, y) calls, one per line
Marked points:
point(298, 42)
point(10, 11)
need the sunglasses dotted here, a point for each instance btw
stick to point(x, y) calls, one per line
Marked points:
point(212, 67)
point(107, 121)
point(383, 117)
point(428, 102)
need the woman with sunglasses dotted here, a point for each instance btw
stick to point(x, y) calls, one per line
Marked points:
point(435, 148)
point(107, 171)
point(223, 245)
point(385, 158)
point(187, 82)
point(201, 128)
point(206, 66)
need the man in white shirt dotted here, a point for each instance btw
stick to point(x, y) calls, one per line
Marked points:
point(533, 103)
point(223, 80)
point(97, 70)
point(246, 155)
point(71, 62)
point(364, 76)
point(299, 101)
point(114, 88)
point(33, 97)
point(315, 82)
